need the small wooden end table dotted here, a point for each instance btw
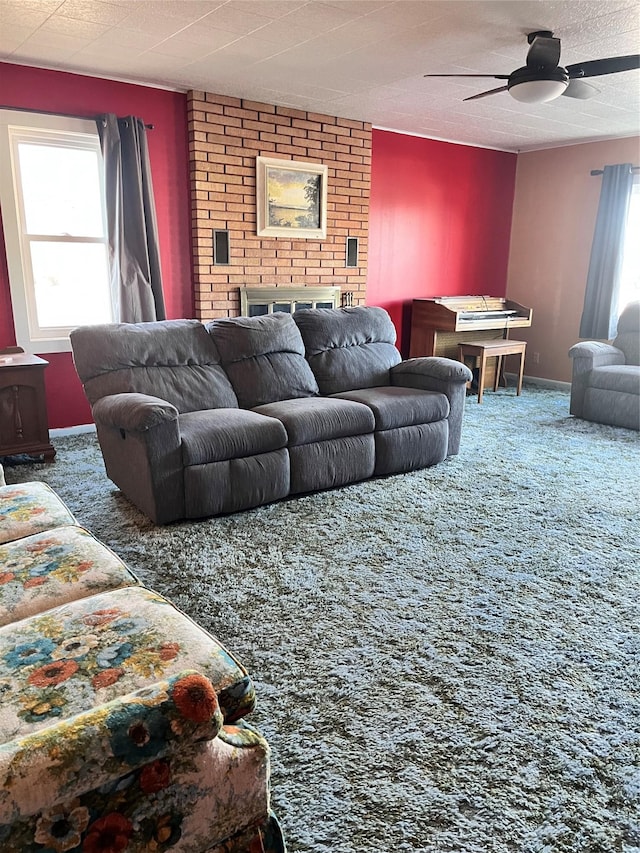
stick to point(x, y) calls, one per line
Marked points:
point(482, 350)
point(24, 427)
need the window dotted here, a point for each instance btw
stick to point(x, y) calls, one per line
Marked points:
point(53, 207)
point(630, 273)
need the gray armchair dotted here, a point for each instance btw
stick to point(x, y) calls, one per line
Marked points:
point(605, 385)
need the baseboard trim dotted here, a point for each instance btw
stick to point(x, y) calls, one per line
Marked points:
point(73, 430)
point(555, 384)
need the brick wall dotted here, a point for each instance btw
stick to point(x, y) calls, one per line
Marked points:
point(225, 136)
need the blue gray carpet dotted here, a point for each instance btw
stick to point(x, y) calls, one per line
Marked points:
point(446, 660)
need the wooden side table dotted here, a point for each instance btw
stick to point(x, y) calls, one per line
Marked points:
point(482, 350)
point(24, 426)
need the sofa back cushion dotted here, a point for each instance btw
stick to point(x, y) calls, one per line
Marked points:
point(628, 337)
point(348, 348)
point(175, 360)
point(264, 358)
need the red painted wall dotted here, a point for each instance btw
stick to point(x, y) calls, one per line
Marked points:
point(439, 222)
point(440, 213)
point(56, 91)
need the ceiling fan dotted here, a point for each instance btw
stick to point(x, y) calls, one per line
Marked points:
point(543, 78)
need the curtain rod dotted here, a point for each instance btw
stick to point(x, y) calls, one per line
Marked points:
point(601, 171)
point(63, 115)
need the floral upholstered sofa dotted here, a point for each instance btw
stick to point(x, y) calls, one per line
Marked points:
point(121, 723)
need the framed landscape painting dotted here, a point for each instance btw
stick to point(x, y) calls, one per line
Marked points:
point(291, 199)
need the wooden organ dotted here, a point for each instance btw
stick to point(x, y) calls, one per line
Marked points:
point(439, 324)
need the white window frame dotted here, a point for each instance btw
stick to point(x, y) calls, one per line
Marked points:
point(15, 127)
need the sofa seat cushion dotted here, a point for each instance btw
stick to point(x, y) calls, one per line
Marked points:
point(264, 358)
point(310, 419)
point(220, 434)
point(51, 568)
point(30, 508)
point(616, 377)
point(85, 653)
point(394, 407)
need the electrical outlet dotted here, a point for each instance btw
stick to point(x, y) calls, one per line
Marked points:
point(536, 358)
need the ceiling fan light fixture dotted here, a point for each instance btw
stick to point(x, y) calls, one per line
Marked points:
point(537, 87)
point(538, 91)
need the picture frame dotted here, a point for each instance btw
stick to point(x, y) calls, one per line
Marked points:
point(291, 199)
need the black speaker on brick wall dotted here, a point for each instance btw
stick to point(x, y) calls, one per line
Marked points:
point(220, 248)
point(352, 252)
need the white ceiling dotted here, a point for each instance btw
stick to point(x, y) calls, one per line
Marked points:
point(360, 59)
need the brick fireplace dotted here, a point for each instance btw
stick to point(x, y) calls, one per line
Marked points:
point(225, 136)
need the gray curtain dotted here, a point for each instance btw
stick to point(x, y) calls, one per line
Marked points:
point(131, 220)
point(600, 312)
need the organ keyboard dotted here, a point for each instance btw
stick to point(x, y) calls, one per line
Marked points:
point(439, 324)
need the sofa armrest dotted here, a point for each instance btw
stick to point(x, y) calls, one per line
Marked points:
point(137, 412)
point(445, 375)
point(430, 369)
point(587, 355)
point(601, 353)
point(141, 446)
point(99, 746)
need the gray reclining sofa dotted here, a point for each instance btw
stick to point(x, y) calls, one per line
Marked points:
point(197, 420)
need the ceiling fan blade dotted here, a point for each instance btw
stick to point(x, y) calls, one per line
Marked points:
point(598, 67)
point(580, 89)
point(491, 76)
point(544, 52)
point(484, 94)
